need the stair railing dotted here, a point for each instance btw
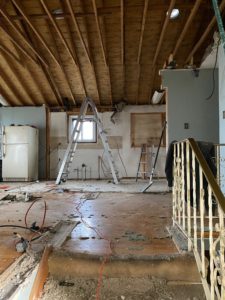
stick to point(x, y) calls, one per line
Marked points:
point(198, 211)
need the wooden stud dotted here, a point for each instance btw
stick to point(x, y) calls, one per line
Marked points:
point(99, 32)
point(60, 61)
point(58, 30)
point(172, 3)
point(48, 125)
point(144, 16)
point(39, 36)
point(205, 34)
point(186, 26)
point(76, 25)
point(19, 33)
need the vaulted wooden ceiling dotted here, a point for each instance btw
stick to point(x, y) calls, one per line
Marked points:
point(57, 51)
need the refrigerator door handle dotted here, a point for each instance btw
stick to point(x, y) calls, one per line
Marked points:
point(4, 143)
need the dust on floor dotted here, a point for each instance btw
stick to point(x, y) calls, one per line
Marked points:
point(145, 288)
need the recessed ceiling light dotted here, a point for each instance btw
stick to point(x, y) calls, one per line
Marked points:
point(174, 13)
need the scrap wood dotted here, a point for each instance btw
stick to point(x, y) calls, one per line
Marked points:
point(42, 274)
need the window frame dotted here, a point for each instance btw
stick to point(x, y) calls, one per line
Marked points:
point(89, 118)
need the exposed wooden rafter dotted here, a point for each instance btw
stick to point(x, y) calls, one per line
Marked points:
point(5, 96)
point(10, 85)
point(21, 59)
point(144, 16)
point(76, 25)
point(18, 76)
point(91, 55)
point(45, 69)
point(20, 34)
point(36, 32)
point(9, 53)
point(16, 44)
point(99, 32)
point(205, 34)
point(58, 30)
point(75, 54)
point(186, 26)
point(162, 34)
point(60, 61)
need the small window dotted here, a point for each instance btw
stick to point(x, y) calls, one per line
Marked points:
point(88, 132)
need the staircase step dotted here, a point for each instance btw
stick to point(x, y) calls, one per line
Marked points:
point(174, 268)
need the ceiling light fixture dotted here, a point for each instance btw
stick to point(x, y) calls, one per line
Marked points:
point(174, 13)
point(58, 13)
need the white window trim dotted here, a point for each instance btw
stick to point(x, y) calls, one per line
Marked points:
point(91, 118)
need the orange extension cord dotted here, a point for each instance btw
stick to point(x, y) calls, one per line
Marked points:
point(106, 257)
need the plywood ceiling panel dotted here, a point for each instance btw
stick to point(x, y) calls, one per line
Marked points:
point(103, 49)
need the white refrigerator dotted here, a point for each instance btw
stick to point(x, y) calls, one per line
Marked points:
point(19, 153)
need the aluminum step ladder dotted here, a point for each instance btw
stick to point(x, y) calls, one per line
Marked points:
point(72, 146)
point(143, 164)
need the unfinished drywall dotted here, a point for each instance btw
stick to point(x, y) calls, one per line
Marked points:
point(34, 116)
point(187, 104)
point(119, 136)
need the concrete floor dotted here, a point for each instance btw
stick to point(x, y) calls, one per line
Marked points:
point(134, 223)
point(118, 224)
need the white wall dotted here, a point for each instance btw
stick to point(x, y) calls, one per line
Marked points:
point(130, 156)
point(187, 103)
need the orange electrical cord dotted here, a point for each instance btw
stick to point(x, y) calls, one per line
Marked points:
point(106, 257)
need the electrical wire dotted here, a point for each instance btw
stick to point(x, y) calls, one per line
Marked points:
point(18, 226)
point(26, 214)
point(214, 68)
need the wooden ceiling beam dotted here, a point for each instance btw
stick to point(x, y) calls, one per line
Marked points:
point(144, 16)
point(99, 32)
point(204, 34)
point(36, 32)
point(58, 30)
point(45, 70)
point(60, 61)
point(166, 21)
point(5, 96)
point(122, 30)
point(20, 34)
point(17, 45)
point(75, 53)
point(109, 11)
point(23, 85)
point(76, 25)
point(91, 55)
point(10, 84)
point(186, 26)
point(9, 53)
point(21, 60)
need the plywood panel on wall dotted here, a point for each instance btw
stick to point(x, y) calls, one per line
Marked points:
point(146, 128)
